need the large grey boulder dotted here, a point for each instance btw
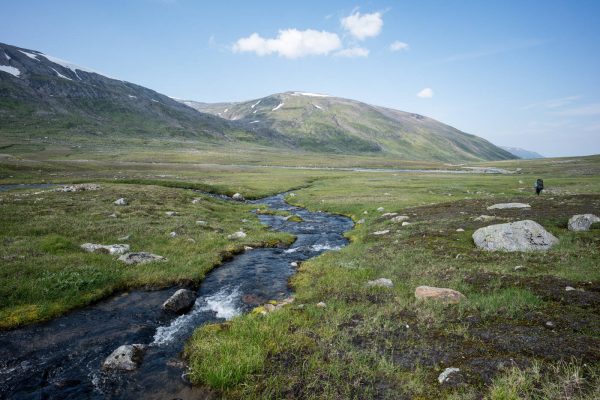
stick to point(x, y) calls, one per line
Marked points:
point(121, 202)
point(237, 235)
point(126, 358)
point(140, 258)
point(504, 206)
point(524, 235)
point(181, 301)
point(107, 249)
point(582, 222)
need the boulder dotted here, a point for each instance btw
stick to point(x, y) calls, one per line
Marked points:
point(237, 235)
point(107, 249)
point(238, 197)
point(181, 301)
point(196, 200)
point(504, 206)
point(140, 258)
point(405, 223)
point(444, 295)
point(173, 234)
point(400, 218)
point(582, 222)
point(381, 282)
point(121, 202)
point(126, 358)
point(523, 235)
point(390, 214)
point(360, 221)
point(380, 209)
point(171, 213)
point(460, 230)
point(321, 304)
point(201, 223)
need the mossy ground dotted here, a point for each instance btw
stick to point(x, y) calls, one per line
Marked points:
point(367, 342)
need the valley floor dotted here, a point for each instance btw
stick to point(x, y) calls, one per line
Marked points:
point(518, 334)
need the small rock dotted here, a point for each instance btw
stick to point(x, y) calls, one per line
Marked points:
point(181, 301)
point(379, 233)
point(381, 282)
point(445, 295)
point(360, 221)
point(292, 194)
point(460, 230)
point(113, 215)
point(127, 357)
point(365, 212)
point(380, 209)
point(294, 264)
point(569, 288)
point(171, 213)
point(173, 234)
point(196, 200)
point(505, 206)
point(269, 307)
point(447, 372)
point(406, 223)
point(202, 223)
point(238, 197)
point(107, 249)
point(237, 235)
point(124, 238)
point(519, 268)
point(321, 304)
point(400, 218)
point(390, 214)
point(524, 235)
point(550, 324)
point(244, 220)
point(140, 258)
point(582, 222)
point(248, 248)
point(485, 218)
point(121, 202)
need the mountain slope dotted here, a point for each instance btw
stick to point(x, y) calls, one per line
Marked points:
point(522, 153)
point(43, 95)
point(323, 123)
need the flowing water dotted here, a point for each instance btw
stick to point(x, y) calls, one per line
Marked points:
point(62, 359)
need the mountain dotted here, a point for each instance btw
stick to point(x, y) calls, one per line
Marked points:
point(44, 95)
point(522, 153)
point(322, 123)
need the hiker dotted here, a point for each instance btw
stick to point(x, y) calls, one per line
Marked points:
point(539, 186)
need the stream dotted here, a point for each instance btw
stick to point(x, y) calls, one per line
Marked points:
point(61, 359)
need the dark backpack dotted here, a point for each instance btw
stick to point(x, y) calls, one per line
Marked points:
point(539, 184)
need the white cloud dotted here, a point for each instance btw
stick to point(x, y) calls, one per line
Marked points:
point(426, 93)
point(362, 26)
point(552, 103)
point(583, 111)
point(353, 52)
point(398, 46)
point(290, 43)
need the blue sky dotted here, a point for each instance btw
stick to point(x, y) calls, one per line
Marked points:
point(518, 73)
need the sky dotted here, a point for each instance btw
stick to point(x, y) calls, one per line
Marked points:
point(518, 73)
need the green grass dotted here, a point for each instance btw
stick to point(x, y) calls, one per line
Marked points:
point(44, 272)
point(367, 342)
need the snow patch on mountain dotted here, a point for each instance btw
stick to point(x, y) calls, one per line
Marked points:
point(31, 55)
point(278, 107)
point(318, 106)
point(60, 75)
point(11, 70)
point(255, 104)
point(310, 94)
point(6, 56)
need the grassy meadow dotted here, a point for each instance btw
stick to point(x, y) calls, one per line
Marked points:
point(518, 334)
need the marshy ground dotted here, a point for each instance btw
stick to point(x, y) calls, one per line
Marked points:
point(518, 334)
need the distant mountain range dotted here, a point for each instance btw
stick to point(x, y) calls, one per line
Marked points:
point(522, 153)
point(41, 95)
